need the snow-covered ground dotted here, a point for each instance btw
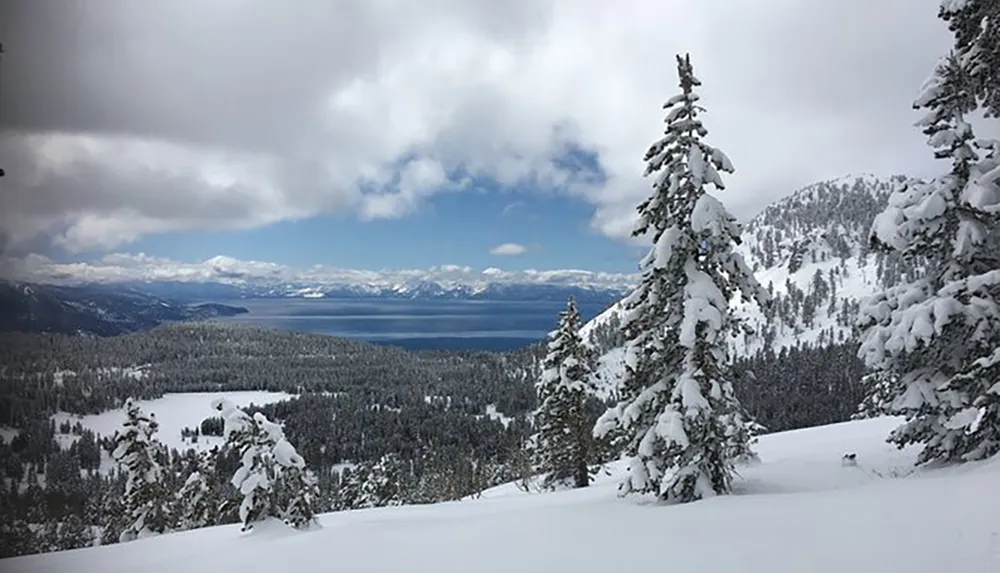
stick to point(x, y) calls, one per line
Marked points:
point(797, 511)
point(610, 371)
point(494, 414)
point(8, 434)
point(173, 412)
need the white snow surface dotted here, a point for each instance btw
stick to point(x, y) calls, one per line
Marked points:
point(173, 413)
point(605, 316)
point(7, 435)
point(494, 414)
point(798, 510)
point(610, 371)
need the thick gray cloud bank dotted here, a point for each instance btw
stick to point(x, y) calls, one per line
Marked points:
point(124, 118)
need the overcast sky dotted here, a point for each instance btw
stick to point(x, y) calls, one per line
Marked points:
point(123, 119)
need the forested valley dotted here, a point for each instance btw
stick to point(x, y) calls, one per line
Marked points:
point(414, 421)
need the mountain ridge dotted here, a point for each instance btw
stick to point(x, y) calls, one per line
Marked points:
point(810, 250)
point(107, 311)
point(270, 279)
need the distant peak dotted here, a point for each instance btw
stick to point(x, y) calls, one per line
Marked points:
point(221, 261)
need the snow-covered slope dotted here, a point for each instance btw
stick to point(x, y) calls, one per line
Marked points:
point(799, 510)
point(810, 250)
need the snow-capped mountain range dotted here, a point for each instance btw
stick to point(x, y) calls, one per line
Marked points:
point(811, 251)
point(233, 278)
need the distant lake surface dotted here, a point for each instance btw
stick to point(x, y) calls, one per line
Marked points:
point(414, 324)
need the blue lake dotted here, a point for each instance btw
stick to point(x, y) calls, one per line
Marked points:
point(414, 324)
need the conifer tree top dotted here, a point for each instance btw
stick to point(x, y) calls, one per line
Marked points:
point(976, 28)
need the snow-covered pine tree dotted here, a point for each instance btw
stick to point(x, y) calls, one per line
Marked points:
point(295, 486)
point(146, 503)
point(197, 499)
point(976, 27)
point(684, 425)
point(562, 445)
point(376, 484)
point(350, 492)
point(937, 337)
point(272, 477)
point(254, 479)
point(878, 396)
point(298, 495)
point(74, 533)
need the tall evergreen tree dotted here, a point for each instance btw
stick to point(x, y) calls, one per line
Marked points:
point(684, 425)
point(254, 479)
point(145, 505)
point(936, 338)
point(562, 445)
point(295, 490)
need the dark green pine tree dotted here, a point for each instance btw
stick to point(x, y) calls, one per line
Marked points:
point(877, 402)
point(562, 445)
point(936, 339)
point(377, 484)
point(19, 539)
point(350, 494)
point(145, 505)
point(976, 27)
point(74, 533)
point(685, 428)
point(197, 500)
point(298, 496)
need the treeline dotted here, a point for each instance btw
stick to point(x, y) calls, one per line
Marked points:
point(801, 386)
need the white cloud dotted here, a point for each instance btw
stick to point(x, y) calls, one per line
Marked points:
point(508, 249)
point(511, 207)
point(372, 107)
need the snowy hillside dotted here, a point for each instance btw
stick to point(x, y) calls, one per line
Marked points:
point(810, 250)
point(799, 510)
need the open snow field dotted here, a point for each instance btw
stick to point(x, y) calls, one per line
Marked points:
point(798, 511)
point(173, 413)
